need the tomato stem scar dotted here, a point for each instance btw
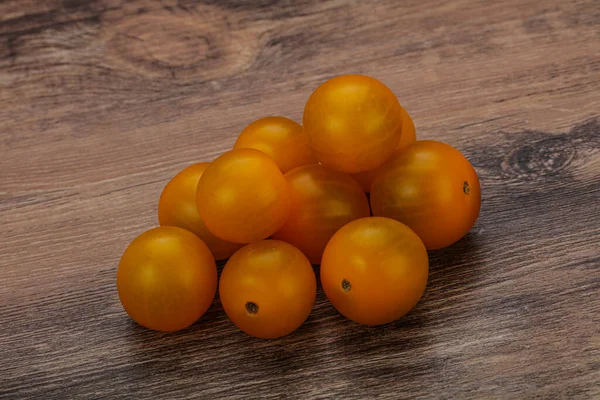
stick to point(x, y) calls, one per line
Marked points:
point(252, 307)
point(346, 285)
point(466, 187)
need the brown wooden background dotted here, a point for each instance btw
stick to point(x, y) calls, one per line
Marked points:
point(102, 101)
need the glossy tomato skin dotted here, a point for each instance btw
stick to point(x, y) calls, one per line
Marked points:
point(268, 288)
point(353, 123)
point(243, 197)
point(281, 139)
point(177, 207)
point(323, 201)
point(431, 187)
point(409, 135)
point(167, 279)
point(374, 270)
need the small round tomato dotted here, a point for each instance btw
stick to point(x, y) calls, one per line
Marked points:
point(323, 201)
point(281, 139)
point(353, 123)
point(243, 197)
point(432, 188)
point(167, 279)
point(409, 135)
point(268, 288)
point(177, 207)
point(374, 270)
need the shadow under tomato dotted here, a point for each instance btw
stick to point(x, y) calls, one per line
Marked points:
point(456, 267)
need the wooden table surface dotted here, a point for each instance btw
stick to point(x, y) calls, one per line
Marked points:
point(103, 101)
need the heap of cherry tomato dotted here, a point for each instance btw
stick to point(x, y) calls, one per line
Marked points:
point(288, 196)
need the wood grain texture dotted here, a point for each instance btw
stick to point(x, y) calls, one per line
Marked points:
point(102, 101)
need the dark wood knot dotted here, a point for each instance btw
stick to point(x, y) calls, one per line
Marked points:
point(541, 158)
point(180, 47)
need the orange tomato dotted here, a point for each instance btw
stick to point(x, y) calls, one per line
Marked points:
point(432, 188)
point(374, 270)
point(322, 202)
point(268, 288)
point(243, 197)
point(409, 135)
point(177, 207)
point(167, 279)
point(281, 139)
point(353, 123)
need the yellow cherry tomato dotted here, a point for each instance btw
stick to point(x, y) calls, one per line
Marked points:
point(167, 279)
point(353, 123)
point(177, 207)
point(431, 187)
point(243, 197)
point(323, 201)
point(374, 270)
point(268, 288)
point(409, 135)
point(281, 139)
